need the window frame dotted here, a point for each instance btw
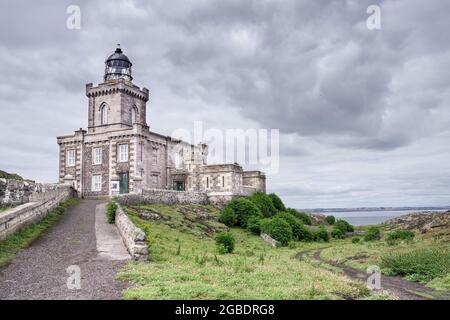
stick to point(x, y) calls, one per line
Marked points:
point(119, 147)
point(70, 163)
point(104, 114)
point(95, 183)
point(94, 155)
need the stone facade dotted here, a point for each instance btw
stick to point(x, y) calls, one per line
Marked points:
point(120, 154)
point(134, 238)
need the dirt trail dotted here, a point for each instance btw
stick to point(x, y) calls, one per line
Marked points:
point(403, 289)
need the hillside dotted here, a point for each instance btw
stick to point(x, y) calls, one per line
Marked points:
point(185, 263)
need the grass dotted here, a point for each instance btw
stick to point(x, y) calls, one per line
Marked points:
point(10, 246)
point(425, 259)
point(186, 264)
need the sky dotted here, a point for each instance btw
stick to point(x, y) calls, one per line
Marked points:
point(363, 115)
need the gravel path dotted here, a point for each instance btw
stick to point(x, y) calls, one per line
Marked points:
point(40, 271)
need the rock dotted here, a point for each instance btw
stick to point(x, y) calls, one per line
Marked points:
point(318, 219)
point(269, 239)
point(424, 221)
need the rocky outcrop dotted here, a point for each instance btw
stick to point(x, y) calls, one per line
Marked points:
point(318, 219)
point(424, 221)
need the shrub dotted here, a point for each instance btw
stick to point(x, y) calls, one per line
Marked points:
point(299, 231)
point(254, 225)
point(277, 203)
point(418, 264)
point(278, 229)
point(321, 234)
point(304, 217)
point(337, 233)
point(356, 240)
point(344, 226)
point(264, 203)
point(401, 235)
point(111, 208)
point(373, 233)
point(225, 242)
point(239, 210)
point(228, 216)
point(330, 219)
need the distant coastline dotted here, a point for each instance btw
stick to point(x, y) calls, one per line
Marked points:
point(370, 216)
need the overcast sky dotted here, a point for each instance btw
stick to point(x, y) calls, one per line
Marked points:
point(364, 115)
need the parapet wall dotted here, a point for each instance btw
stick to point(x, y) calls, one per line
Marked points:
point(134, 238)
point(42, 203)
point(169, 197)
point(17, 192)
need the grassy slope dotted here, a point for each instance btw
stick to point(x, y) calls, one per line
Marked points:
point(186, 266)
point(364, 254)
point(10, 246)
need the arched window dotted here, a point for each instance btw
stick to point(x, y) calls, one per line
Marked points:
point(104, 114)
point(133, 115)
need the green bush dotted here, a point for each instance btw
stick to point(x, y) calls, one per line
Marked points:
point(304, 217)
point(356, 240)
point(277, 203)
point(418, 264)
point(225, 242)
point(111, 208)
point(278, 229)
point(321, 234)
point(330, 219)
point(299, 231)
point(401, 235)
point(254, 225)
point(239, 210)
point(344, 226)
point(228, 216)
point(264, 203)
point(337, 233)
point(372, 234)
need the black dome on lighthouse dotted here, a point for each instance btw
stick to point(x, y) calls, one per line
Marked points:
point(118, 66)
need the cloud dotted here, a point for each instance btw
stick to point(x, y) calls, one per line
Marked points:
point(340, 94)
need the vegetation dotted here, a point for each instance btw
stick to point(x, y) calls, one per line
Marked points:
point(418, 264)
point(337, 233)
point(225, 242)
point(197, 272)
point(264, 203)
point(304, 217)
point(321, 234)
point(6, 175)
point(343, 226)
point(330, 219)
point(356, 240)
point(111, 209)
point(277, 203)
point(373, 233)
point(401, 235)
point(10, 246)
point(278, 229)
point(238, 211)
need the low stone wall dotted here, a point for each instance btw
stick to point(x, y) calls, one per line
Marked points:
point(17, 192)
point(43, 202)
point(168, 197)
point(134, 238)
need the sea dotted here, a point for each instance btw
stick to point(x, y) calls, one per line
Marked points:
point(364, 218)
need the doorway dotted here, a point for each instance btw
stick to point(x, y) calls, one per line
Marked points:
point(179, 185)
point(123, 182)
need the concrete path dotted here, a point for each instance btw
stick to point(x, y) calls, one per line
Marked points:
point(81, 240)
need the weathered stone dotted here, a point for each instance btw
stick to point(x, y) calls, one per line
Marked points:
point(424, 221)
point(269, 239)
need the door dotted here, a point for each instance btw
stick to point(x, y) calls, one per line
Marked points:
point(180, 186)
point(123, 182)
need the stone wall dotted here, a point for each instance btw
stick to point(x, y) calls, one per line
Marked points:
point(17, 192)
point(134, 238)
point(41, 204)
point(169, 197)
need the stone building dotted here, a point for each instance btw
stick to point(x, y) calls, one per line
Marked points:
point(118, 153)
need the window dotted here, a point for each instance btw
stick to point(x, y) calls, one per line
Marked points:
point(70, 158)
point(155, 156)
point(223, 181)
point(207, 183)
point(178, 160)
point(96, 182)
point(123, 152)
point(133, 115)
point(97, 155)
point(104, 113)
